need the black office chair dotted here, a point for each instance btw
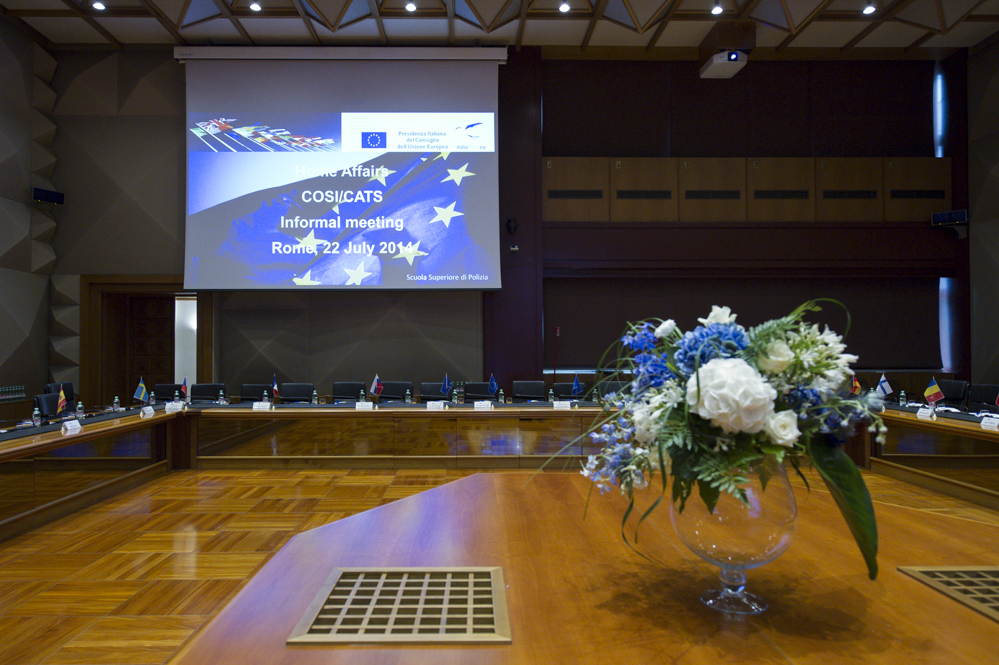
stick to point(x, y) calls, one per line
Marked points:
point(476, 391)
point(564, 391)
point(67, 390)
point(525, 391)
point(955, 393)
point(206, 392)
point(982, 397)
point(347, 391)
point(430, 391)
point(254, 391)
point(604, 388)
point(48, 404)
point(165, 391)
point(395, 391)
point(297, 392)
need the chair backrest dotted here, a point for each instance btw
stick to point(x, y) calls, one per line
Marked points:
point(982, 397)
point(523, 391)
point(206, 392)
point(297, 392)
point(67, 390)
point(165, 391)
point(478, 390)
point(347, 390)
point(254, 391)
point(605, 388)
point(955, 393)
point(565, 390)
point(395, 391)
point(430, 391)
point(48, 403)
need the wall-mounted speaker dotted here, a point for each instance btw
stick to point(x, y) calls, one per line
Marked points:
point(47, 196)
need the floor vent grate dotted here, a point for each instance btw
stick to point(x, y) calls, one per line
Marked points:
point(399, 605)
point(975, 586)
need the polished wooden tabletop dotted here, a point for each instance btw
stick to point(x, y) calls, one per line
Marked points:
point(577, 594)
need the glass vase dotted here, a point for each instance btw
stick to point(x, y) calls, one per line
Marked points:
point(739, 536)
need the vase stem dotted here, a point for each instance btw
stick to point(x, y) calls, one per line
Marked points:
point(733, 581)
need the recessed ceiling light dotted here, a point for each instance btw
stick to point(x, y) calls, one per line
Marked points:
point(869, 8)
point(98, 6)
point(564, 7)
point(410, 7)
point(255, 6)
point(717, 9)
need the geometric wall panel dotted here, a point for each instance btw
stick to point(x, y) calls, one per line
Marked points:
point(42, 128)
point(64, 350)
point(15, 247)
point(42, 257)
point(43, 97)
point(44, 65)
point(65, 320)
point(65, 290)
point(42, 225)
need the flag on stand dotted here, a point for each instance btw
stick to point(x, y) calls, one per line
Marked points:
point(446, 386)
point(883, 388)
point(493, 386)
point(183, 388)
point(273, 386)
point(932, 392)
point(140, 391)
point(576, 388)
point(376, 386)
point(62, 400)
point(855, 388)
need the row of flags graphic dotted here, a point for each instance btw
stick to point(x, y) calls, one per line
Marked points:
point(220, 133)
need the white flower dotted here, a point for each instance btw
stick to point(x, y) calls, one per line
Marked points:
point(776, 357)
point(731, 394)
point(719, 315)
point(782, 428)
point(665, 328)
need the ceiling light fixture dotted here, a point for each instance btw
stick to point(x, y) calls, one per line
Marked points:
point(717, 9)
point(869, 8)
point(564, 7)
point(255, 6)
point(410, 7)
point(99, 6)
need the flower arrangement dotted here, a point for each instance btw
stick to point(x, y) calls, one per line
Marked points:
point(706, 404)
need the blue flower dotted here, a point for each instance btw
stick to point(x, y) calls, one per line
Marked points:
point(703, 343)
point(641, 339)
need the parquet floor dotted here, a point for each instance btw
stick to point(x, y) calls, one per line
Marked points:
point(129, 580)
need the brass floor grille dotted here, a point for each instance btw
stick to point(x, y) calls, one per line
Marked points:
point(975, 586)
point(364, 605)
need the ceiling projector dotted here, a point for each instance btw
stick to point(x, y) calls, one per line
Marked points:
point(724, 65)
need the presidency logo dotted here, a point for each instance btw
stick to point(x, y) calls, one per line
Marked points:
point(374, 140)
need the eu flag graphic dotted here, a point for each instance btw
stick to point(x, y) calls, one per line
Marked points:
point(373, 139)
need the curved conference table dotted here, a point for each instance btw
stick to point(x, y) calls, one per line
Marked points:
point(577, 594)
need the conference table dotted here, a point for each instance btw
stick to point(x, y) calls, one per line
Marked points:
point(577, 594)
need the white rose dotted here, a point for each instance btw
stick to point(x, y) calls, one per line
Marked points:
point(782, 428)
point(776, 357)
point(665, 328)
point(731, 394)
point(719, 315)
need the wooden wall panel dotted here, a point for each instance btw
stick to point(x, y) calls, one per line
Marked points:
point(712, 189)
point(916, 187)
point(780, 189)
point(849, 189)
point(575, 189)
point(643, 189)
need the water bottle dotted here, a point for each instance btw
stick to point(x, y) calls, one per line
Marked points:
point(454, 395)
point(221, 397)
point(501, 399)
point(901, 398)
point(152, 398)
point(116, 404)
point(264, 398)
point(79, 410)
point(315, 397)
point(361, 397)
point(409, 396)
point(36, 418)
point(551, 395)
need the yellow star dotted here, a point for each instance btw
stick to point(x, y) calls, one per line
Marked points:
point(410, 252)
point(444, 156)
point(305, 280)
point(310, 240)
point(457, 175)
point(356, 275)
point(382, 174)
point(445, 215)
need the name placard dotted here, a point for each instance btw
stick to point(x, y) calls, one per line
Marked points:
point(146, 412)
point(364, 406)
point(71, 427)
point(175, 407)
point(926, 413)
point(436, 405)
point(483, 405)
point(561, 405)
point(990, 423)
point(257, 406)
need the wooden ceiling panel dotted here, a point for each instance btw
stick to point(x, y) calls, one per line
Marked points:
point(34, 4)
point(771, 12)
point(137, 30)
point(569, 32)
point(611, 34)
point(922, 12)
point(800, 10)
point(270, 31)
point(963, 33)
point(955, 10)
point(355, 34)
point(489, 10)
point(828, 34)
point(645, 10)
point(891, 34)
point(219, 31)
point(685, 33)
point(416, 31)
point(502, 36)
point(66, 30)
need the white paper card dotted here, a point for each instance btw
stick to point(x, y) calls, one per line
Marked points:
point(562, 405)
point(364, 406)
point(71, 427)
point(483, 405)
point(174, 407)
point(990, 423)
point(926, 413)
point(436, 405)
point(257, 406)
point(147, 412)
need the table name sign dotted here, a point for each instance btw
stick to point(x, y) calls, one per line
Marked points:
point(259, 406)
point(437, 405)
point(990, 423)
point(71, 427)
point(364, 406)
point(146, 412)
point(562, 405)
point(926, 413)
point(483, 405)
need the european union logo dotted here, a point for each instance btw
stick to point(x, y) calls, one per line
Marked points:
point(374, 139)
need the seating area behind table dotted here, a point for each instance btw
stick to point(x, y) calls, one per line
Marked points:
point(347, 391)
point(207, 392)
point(430, 391)
point(982, 397)
point(48, 404)
point(564, 390)
point(395, 391)
point(67, 390)
point(296, 392)
point(166, 391)
point(526, 391)
point(955, 393)
point(253, 392)
point(479, 391)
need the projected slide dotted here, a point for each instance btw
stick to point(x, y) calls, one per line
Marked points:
point(334, 198)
